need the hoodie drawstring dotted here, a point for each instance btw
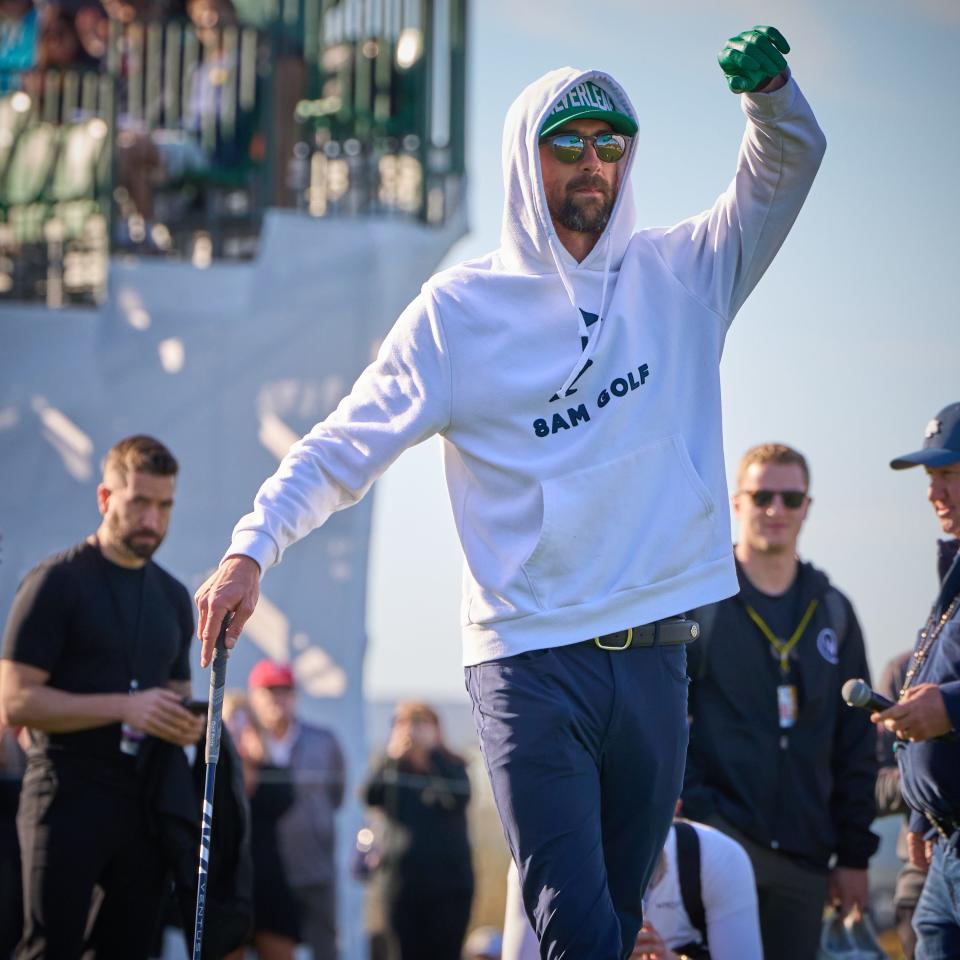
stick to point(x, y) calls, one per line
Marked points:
point(593, 336)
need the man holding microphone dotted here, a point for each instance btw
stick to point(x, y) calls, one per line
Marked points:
point(928, 713)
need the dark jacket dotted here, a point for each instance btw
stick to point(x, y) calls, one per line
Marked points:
point(930, 769)
point(426, 848)
point(174, 794)
point(807, 791)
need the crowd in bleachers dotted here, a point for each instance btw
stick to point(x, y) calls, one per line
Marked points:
point(169, 126)
point(74, 34)
point(106, 107)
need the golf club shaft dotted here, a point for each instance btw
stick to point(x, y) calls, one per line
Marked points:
point(218, 681)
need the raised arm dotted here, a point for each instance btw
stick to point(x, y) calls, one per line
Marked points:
point(720, 254)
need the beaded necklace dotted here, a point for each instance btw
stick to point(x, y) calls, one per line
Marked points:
point(928, 636)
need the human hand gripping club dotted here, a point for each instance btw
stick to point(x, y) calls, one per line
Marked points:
point(753, 60)
point(234, 587)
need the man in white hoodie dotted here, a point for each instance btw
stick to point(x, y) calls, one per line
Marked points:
point(584, 467)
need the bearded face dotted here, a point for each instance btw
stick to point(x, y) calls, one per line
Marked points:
point(586, 204)
point(136, 512)
point(580, 195)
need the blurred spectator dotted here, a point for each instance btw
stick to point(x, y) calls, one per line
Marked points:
point(195, 142)
point(890, 802)
point(776, 759)
point(701, 903)
point(12, 763)
point(423, 790)
point(60, 47)
point(311, 760)
point(210, 84)
point(59, 51)
point(93, 30)
point(483, 943)
point(19, 36)
point(275, 924)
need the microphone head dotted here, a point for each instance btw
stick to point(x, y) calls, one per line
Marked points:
point(856, 693)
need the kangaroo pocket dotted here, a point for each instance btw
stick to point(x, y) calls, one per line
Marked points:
point(628, 523)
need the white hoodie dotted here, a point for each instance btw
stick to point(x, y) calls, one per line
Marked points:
point(605, 507)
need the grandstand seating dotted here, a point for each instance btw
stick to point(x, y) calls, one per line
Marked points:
point(327, 107)
point(52, 185)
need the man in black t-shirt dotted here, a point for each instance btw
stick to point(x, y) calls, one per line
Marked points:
point(776, 758)
point(95, 659)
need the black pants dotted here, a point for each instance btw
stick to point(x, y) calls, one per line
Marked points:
point(317, 906)
point(11, 911)
point(77, 834)
point(791, 896)
point(428, 927)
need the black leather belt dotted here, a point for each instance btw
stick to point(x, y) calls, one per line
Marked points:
point(671, 631)
point(946, 828)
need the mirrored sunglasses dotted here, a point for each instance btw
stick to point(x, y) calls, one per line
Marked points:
point(569, 147)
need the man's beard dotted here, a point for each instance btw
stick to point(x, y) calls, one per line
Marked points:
point(142, 548)
point(586, 215)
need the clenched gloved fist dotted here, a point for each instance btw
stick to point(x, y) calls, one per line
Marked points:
point(753, 57)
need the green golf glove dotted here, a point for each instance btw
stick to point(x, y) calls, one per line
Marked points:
point(753, 57)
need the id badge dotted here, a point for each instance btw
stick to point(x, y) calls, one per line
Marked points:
point(787, 705)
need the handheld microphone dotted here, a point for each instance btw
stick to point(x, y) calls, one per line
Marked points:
point(856, 693)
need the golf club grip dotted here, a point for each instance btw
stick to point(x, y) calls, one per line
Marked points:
point(218, 683)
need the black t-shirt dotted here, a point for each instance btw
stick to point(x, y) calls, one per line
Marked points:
point(95, 626)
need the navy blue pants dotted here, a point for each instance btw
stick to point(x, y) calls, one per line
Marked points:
point(585, 751)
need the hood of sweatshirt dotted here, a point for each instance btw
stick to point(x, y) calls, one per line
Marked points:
point(528, 241)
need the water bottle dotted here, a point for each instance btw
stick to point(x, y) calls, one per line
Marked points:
point(130, 737)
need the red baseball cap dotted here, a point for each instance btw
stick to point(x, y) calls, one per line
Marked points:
point(269, 673)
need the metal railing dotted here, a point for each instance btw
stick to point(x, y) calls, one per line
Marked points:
point(383, 128)
point(184, 135)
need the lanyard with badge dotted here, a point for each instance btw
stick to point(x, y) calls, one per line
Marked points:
point(786, 691)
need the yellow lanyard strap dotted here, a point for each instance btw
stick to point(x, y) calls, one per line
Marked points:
point(783, 649)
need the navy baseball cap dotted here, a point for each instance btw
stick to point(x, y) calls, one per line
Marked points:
point(941, 442)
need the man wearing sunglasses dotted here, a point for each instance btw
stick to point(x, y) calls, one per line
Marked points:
point(776, 758)
point(573, 374)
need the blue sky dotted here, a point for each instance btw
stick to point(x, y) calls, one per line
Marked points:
point(846, 349)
